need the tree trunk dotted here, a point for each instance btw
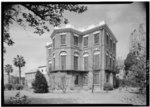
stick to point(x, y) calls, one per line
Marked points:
point(8, 78)
point(93, 83)
point(20, 75)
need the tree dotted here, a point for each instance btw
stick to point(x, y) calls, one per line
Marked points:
point(35, 16)
point(8, 70)
point(40, 84)
point(136, 70)
point(130, 60)
point(19, 62)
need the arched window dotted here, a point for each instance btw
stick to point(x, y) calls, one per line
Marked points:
point(63, 60)
point(50, 65)
point(86, 60)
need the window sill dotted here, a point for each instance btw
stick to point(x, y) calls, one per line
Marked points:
point(63, 45)
point(76, 46)
point(96, 43)
point(85, 47)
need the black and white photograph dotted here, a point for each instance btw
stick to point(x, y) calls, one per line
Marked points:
point(86, 53)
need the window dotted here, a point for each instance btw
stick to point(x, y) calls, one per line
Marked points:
point(106, 61)
point(114, 47)
point(53, 63)
point(96, 61)
point(77, 80)
point(110, 63)
point(75, 62)
point(107, 40)
point(86, 64)
point(107, 77)
point(54, 43)
point(110, 44)
point(85, 41)
point(63, 39)
point(63, 62)
point(75, 40)
point(96, 38)
point(50, 50)
point(50, 66)
point(113, 64)
point(96, 78)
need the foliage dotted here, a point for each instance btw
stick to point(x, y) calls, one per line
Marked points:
point(130, 60)
point(18, 87)
point(108, 86)
point(136, 66)
point(8, 86)
point(18, 99)
point(40, 84)
point(63, 84)
point(60, 82)
point(8, 70)
point(19, 62)
point(35, 16)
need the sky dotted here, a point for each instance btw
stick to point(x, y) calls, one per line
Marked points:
point(122, 19)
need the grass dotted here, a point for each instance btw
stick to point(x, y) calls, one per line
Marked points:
point(72, 97)
point(52, 101)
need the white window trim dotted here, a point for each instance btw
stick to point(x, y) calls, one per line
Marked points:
point(97, 52)
point(76, 35)
point(62, 33)
point(75, 54)
point(63, 53)
point(96, 32)
point(85, 55)
point(85, 36)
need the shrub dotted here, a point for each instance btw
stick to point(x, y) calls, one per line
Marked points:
point(18, 99)
point(71, 88)
point(108, 86)
point(61, 82)
point(18, 87)
point(40, 84)
point(8, 86)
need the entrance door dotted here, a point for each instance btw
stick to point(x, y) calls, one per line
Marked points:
point(77, 80)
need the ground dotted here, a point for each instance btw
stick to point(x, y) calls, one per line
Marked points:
point(81, 96)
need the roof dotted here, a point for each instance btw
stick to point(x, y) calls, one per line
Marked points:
point(42, 66)
point(83, 31)
point(32, 71)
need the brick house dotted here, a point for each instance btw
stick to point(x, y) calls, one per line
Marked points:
point(79, 53)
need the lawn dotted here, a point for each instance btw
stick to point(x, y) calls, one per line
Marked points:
point(82, 97)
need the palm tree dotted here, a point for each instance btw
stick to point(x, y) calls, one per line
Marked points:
point(8, 70)
point(19, 62)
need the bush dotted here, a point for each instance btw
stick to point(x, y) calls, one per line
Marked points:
point(8, 86)
point(108, 86)
point(18, 99)
point(40, 84)
point(18, 87)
